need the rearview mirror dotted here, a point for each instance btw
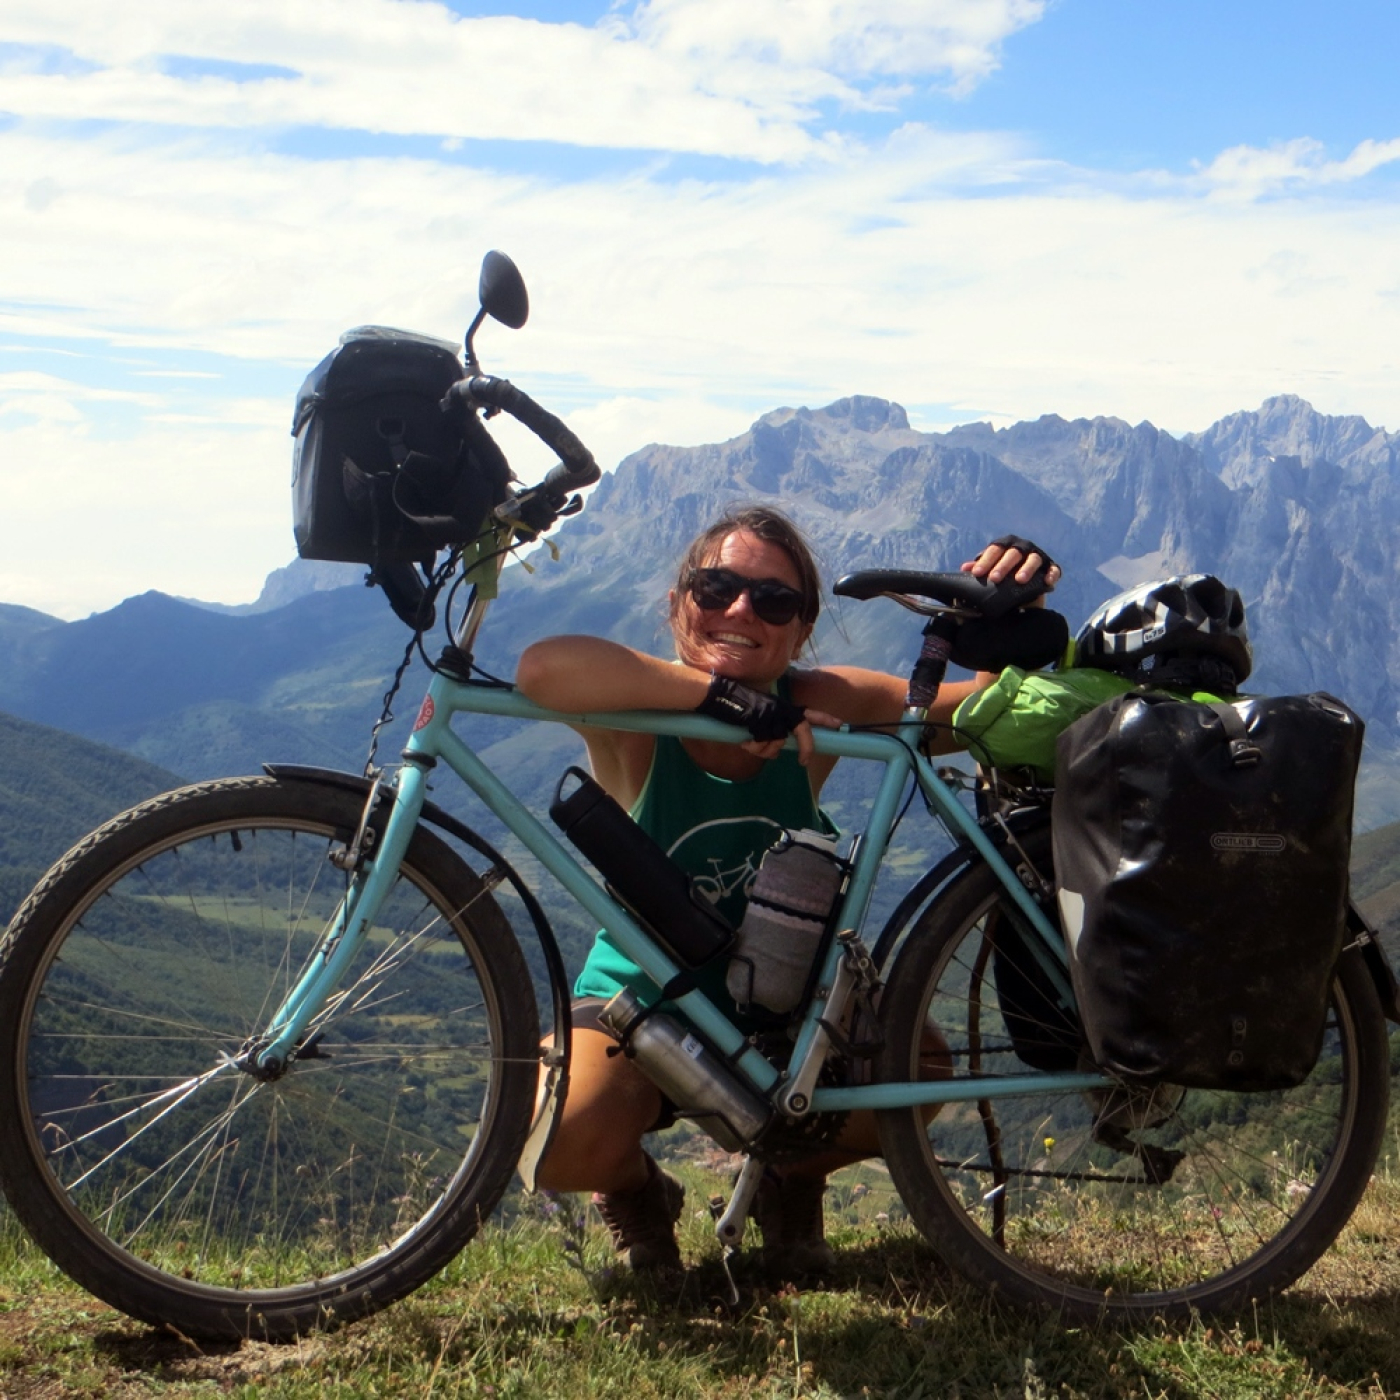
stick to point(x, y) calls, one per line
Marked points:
point(502, 291)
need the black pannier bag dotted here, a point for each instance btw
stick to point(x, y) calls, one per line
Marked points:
point(381, 474)
point(1202, 854)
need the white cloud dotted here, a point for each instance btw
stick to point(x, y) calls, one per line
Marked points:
point(660, 312)
point(1252, 171)
point(615, 428)
point(958, 40)
point(738, 78)
point(195, 510)
point(385, 66)
point(32, 394)
point(665, 310)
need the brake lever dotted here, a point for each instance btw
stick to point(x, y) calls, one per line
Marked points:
point(532, 512)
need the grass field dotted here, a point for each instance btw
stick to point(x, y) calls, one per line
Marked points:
point(535, 1308)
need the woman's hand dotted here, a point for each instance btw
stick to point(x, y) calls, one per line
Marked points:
point(802, 734)
point(1013, 556)
point(768, 717)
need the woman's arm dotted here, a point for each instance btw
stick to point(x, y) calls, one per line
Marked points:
point(871, 698)
point(582, 675)
point(590, 675)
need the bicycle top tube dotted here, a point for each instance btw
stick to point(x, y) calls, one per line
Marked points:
point(447, 697)
point(434, 738)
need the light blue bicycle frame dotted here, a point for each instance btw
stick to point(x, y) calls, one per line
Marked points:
point(433, 739)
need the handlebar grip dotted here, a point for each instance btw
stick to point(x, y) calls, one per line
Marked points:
point(561, 479)
point(576, 467)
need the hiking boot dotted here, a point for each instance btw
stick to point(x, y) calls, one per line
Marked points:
point(788, 1210)
point(643, 1222)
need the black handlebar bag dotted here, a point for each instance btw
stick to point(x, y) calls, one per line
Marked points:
point(381, 472)
point(1202, 854)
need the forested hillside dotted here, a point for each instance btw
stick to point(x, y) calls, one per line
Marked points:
point(54, 788)
point(1375, 880)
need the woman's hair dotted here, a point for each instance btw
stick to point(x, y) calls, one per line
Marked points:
point(764, 523)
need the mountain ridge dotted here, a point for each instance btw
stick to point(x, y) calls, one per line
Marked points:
point(1304, 538)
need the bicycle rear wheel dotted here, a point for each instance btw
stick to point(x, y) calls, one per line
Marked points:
point(1172, 1200)
point(183, 1189)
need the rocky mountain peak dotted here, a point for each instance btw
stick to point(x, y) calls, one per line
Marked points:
point(1243, 448)
point(1291, 506)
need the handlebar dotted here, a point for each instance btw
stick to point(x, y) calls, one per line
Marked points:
point(984, 628)
point(576, 468)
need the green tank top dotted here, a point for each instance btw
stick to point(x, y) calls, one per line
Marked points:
point(716, 830)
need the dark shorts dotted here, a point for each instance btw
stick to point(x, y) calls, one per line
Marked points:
point(584, 1017)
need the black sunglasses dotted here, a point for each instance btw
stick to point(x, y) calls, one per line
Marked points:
point(773, 601)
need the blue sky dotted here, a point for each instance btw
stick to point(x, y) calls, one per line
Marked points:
point(981, 208)
point(1136, 84)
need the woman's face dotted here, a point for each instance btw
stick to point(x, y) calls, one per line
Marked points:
point(735, 641)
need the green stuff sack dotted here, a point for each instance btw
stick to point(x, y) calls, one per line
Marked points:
point(1013, 725)
point(1015, 722)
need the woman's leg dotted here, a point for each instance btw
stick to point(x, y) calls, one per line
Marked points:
point(598, 1147)
point(788, 1208)
point(609, 1106)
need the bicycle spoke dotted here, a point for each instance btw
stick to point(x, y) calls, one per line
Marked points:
point(149, 1119)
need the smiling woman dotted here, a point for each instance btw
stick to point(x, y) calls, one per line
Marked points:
point(745, 600)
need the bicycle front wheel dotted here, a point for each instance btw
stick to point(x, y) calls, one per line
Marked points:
point(1125, 1201)
point(161, 1174)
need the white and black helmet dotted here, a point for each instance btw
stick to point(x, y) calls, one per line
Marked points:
point(1187, 615)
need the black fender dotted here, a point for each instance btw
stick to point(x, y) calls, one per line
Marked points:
point(1361, 938)
point(560, 990)
point(960, 858)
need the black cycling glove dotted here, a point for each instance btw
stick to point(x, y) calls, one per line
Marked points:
point(765, 716)
point(1027, 547)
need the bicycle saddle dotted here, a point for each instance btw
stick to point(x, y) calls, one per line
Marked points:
point(989, 600)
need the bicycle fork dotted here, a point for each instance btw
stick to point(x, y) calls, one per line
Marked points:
point(291, 1031)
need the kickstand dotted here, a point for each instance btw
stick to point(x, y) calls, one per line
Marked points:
point(730, 1220)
